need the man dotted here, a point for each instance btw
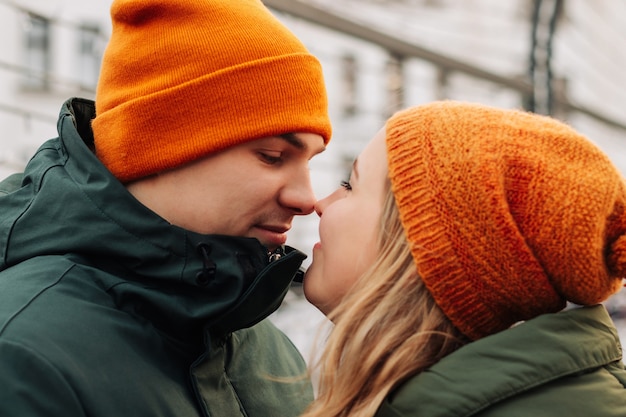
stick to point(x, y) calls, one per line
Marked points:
point(143, 248)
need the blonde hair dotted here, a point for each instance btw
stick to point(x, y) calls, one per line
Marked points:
point(387, 329)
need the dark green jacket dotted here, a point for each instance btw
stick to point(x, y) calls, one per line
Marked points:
point(108, 310)
point(556, 365)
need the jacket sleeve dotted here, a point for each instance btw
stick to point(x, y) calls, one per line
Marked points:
point(11, 183)
point(31, 386)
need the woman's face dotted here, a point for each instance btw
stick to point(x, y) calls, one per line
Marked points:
point(348, 229)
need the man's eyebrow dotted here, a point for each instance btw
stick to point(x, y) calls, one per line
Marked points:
point(296, 142)
point(293, 140)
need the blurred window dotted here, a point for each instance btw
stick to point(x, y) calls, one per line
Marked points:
point(348, 85)
point(89, 54)
point(37, 52)
point(395, 82)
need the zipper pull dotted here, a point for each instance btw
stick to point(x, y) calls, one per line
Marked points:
point(276, 255)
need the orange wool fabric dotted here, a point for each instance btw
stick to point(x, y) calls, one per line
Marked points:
point(509, 214)
point(182, 79)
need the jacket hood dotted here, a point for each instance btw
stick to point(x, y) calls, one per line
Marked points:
point(69, 204)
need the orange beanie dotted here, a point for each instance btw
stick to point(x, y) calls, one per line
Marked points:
point(508, 214)
point(182, 79)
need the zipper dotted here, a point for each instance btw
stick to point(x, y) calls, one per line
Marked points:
point(275, 255)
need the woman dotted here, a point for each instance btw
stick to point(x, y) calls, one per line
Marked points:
point(447, 261)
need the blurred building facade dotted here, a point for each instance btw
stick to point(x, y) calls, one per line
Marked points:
point(559, 57)
point(51, 50)
point(562, 57)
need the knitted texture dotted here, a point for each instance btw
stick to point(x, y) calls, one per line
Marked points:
point(181, 79)
point(508, 214)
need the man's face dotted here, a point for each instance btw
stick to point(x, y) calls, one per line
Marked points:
point(253, 189)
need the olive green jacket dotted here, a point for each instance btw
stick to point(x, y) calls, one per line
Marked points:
point(563, 364)
point(108, 310)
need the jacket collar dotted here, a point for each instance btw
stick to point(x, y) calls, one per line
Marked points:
point(508, 363)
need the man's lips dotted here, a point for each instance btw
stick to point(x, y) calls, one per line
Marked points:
point(275, 229)
point(272, 235)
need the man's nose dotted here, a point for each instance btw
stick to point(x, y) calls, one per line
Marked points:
point(298, 195)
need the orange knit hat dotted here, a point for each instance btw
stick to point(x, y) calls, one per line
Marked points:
point(509, 214)
point(182, 79)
